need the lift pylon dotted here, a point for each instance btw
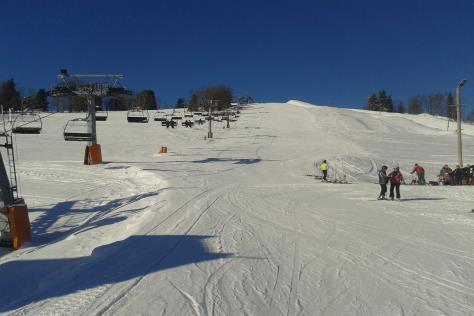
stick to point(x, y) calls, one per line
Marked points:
point(89, 86)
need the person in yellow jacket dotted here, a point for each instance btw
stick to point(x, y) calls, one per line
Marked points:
point(324, 168)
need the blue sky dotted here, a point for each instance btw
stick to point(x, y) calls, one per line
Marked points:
point(325, 52)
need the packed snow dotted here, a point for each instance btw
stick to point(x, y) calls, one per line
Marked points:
point(238, 224)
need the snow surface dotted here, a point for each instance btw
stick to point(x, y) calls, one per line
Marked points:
point(237, 225)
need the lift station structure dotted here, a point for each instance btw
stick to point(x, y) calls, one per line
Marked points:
point(88, 86)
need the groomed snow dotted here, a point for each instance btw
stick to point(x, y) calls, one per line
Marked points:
point(237, 224)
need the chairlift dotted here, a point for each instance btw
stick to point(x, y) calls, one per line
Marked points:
point(27, 123)
point(101, 115)
point(137, 115)
point(77, 130)
point(160, 116)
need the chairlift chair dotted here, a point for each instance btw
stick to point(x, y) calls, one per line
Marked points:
point(137, 115)
point(101, 115)
point(77, 130)
point(27, 123)
point(160, 116)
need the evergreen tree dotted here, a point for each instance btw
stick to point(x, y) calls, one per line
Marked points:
point(118, 103)
point(146, 100)
point(41, 100)
point(221, 94)
point(451, 106)
point(245, 99)
point(388, 104)
point(381, 100)
point(470, 117)
point(180, 104)
point(10, 97)
point(401, 107)
point(78, 103)
point(415, 105)
point(372, 103)
point(193, 103)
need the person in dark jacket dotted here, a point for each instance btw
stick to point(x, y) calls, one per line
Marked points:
point(383, 180)
point(396, 178)
point(457, 175)
point(445, 175)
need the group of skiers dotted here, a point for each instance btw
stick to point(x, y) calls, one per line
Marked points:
point(458, 176)
point(395, 178)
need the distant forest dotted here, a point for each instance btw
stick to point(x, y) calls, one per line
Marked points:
point(219, 97)
point(438, 104)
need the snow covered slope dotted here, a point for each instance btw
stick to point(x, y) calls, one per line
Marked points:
point(238, 225)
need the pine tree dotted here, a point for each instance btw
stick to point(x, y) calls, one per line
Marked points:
point(41, 100)
point(415, 105)
point(451, 106)
point(180, 104)
point(388, 104)
point(401, 107)
point(146, 100)
point(372, 103)
point(10, 97)
point(470, 117)
point(193, 103)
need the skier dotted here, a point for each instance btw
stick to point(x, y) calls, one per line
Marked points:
point(396, 178)
point(420, 172)
point(445, 175)
point(383, 179)
point(457, 175)
point(324, 168)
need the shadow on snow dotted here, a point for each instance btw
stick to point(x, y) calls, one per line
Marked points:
point(80, 216)
point(29, 281)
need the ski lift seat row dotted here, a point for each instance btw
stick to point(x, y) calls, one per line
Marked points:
point(137, 116)
point(101, 115)
point(77, 130)
point(159, 117)
point(27, 123)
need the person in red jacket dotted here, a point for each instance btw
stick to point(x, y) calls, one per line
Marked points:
point(396, 178)
point(420, 172)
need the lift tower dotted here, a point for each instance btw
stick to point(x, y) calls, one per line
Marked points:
point(14, 221)
point(89, 86)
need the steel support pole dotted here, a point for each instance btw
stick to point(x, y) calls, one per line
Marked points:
point(458, 120)
point(209, 133)
point(5, 188)
point(92, 119)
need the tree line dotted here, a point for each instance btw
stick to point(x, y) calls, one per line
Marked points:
point(11, 98)
point(220, 97)
point(438, 104)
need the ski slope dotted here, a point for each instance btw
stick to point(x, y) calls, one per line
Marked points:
point(237, 224)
